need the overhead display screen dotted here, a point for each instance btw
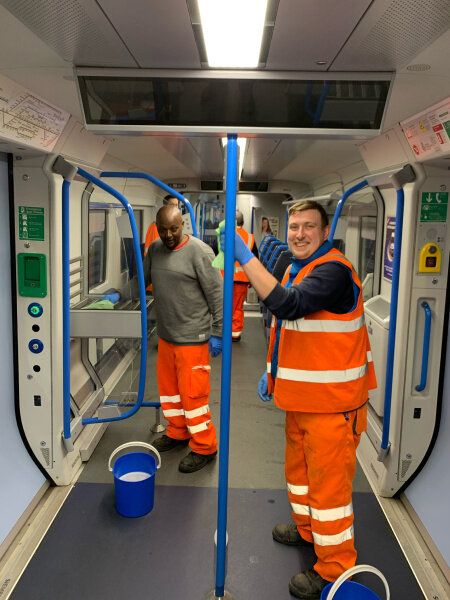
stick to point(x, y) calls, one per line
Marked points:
point(215, 102)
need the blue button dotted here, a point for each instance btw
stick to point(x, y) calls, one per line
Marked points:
point(35, 346)
point(35, 309)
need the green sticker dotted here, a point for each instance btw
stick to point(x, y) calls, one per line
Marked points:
point(447, 127)
point(31, 223)
point(433, 206)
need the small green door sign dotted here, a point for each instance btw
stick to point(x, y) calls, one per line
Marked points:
point(433, 206)
point(31, 223)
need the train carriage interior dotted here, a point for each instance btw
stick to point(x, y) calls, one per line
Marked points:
point(107, 108)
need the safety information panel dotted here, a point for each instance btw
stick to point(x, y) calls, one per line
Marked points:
point(428, 133)
point(433, 206)
point(31, 223)
point(27, 118)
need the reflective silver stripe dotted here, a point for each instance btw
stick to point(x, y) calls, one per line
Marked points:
point(369, 356)
point(332, 514)
point(298, 490)
point(197, 428)
point(238, 270)
point(197, 412)
point(269, 367)
point(236, 334)
point(206, 367)
point(322, 376)
point(324, 325)
point(167, 399)
point(173, 412)
point(301, 509)
point(333, 540)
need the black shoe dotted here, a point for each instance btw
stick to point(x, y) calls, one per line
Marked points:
point(194, 462)
point(288, 534)
point(307, 585)
point(164, 443)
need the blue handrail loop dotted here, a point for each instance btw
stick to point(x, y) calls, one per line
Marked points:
point(340, 206)
point(225, 384)
point(426, 347)
point(162, 185)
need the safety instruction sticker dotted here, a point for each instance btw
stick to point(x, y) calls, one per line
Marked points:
point(433, 206)
point(31, 223)
point(428, 132)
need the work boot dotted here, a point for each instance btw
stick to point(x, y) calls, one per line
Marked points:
point(288, 534)
point(164, 443)
point(307, 585)
point(194, 462)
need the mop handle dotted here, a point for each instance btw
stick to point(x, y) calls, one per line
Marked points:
point(131, 445)
point(358, 569)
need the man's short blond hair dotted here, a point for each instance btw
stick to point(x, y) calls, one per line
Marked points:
point(302, 205)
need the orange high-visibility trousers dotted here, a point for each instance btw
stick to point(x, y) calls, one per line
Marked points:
point(239, 296)
point(320, 466)
point(184, 383)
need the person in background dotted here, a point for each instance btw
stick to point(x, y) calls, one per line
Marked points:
point(240, 280)
point(265, 227)
point(188, 301)
point(319, 371)
point(152, 231)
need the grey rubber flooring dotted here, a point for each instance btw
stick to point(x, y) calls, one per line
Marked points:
point(93, 553)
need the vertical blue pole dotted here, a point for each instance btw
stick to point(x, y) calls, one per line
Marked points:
point(392, 324)
point(225, 386)
point(66, 306)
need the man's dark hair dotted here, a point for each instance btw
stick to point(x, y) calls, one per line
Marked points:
point(239, 218)
point(302, 205)
point(167, 198)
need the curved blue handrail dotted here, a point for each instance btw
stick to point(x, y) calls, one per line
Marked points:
point(392, 324)
point(426, 347)
point(162, 185)
point(225, 384)
point(340, 206)
point(143, 303)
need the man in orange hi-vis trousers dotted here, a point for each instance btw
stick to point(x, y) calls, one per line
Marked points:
point(240, 281)
point(188, 299)
point(320, 371)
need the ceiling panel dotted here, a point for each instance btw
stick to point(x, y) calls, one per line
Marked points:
point(158, 34)
point(77, 30)
point(392, 33)
point(306, 32)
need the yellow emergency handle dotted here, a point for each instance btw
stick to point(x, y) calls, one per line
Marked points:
point(430, 258)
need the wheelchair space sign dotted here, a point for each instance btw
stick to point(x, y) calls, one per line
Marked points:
point(433, 206)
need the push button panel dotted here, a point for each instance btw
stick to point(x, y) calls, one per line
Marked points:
point(430, 258)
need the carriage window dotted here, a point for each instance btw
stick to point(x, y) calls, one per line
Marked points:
point(97, 247)
point(367, 254)
point(127, 262)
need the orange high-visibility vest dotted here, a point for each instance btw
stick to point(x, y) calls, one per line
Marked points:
point(152, 236)
point(249, 240)
point(324, 359)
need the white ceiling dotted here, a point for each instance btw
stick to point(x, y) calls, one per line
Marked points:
point(41, 41)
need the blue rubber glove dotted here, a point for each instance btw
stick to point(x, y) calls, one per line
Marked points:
point(241, 252)
point(215, 345)
point(263, 389)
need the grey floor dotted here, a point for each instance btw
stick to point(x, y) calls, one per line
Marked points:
point(92, 552)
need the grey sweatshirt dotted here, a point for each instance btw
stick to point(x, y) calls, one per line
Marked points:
point(187, 291)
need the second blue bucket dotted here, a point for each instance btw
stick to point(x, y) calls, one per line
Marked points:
point(342, 589)
point(134, 479)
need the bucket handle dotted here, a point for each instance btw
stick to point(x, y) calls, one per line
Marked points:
point(357, 569)
point(131, 445)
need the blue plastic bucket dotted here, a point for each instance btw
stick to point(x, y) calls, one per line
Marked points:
point(134, 480)
point(342, 589)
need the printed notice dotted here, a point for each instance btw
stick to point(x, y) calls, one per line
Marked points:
point(433, 206)
point(31, 223)
point(27, 118)
point(389, 249)
point(428, 133)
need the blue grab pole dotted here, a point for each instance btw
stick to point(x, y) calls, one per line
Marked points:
point(340, 206)
point(140, 277)
point(225, 384)
point(66, 306)
point(426, 347)
point(392, 324)
point(162, 185)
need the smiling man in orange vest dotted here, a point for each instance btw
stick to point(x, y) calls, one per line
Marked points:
point(240, 280)
point(320, 371)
